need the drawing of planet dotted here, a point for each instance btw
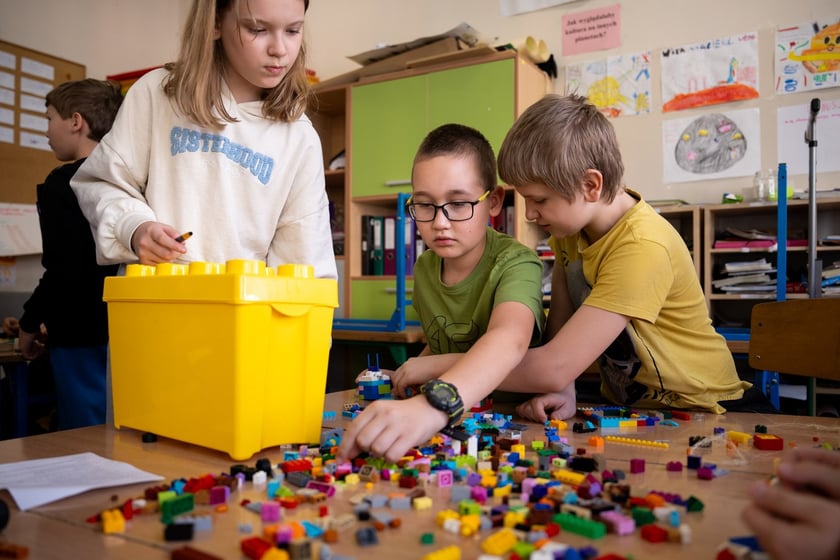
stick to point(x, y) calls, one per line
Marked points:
point(710, 144)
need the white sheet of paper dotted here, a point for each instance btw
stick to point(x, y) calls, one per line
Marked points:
point(42, 481)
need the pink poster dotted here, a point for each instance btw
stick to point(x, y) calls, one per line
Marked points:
point(594, 30)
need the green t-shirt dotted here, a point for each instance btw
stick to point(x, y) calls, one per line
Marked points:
point(455, 317)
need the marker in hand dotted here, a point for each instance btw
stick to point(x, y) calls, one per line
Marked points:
point(183, 237)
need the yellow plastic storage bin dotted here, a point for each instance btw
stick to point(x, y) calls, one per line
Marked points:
point(231, 357)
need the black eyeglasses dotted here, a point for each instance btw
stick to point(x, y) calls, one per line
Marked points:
point(458, 211)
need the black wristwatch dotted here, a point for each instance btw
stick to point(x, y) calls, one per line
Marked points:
point(444, 396)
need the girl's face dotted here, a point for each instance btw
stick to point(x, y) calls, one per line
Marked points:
point(261, 42)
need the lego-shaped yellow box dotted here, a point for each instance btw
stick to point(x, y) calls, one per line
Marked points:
point(231, 357)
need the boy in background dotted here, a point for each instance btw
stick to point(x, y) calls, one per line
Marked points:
point(68, 298)
point(624, 288)
point(477, 293)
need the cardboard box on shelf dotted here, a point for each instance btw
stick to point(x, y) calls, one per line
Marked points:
point(395, 62)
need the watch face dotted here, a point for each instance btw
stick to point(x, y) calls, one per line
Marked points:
point(445, 397)
point(444, 394)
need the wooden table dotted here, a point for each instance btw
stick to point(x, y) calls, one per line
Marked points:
point(54, 530)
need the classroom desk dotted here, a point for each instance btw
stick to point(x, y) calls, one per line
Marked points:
point(53, 530)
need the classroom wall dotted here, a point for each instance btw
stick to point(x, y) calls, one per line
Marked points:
point(113, 36)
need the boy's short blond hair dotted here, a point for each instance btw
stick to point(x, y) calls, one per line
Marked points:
point(555, 141)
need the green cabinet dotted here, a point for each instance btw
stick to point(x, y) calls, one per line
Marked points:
point(390, 119)
point(375, 298)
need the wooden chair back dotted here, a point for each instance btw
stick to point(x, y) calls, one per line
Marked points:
point(797, 337)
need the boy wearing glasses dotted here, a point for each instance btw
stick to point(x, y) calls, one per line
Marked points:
point(477, 293)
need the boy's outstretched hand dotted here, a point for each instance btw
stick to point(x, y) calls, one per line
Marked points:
point(800, 516)
point(556, 406)
point(388, 428)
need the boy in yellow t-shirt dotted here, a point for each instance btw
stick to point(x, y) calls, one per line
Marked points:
point(624, 288)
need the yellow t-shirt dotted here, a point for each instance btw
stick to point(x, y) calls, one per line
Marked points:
point(669, 355)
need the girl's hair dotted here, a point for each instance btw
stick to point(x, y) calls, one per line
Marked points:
point(97, 101)
point(195, 81)
point(463, 141)
point(555, 141)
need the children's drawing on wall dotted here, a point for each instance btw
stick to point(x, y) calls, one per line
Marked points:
point(617, 86)
point(711, 72)
point(711, 146)
point(808, 56)
point(791, 123)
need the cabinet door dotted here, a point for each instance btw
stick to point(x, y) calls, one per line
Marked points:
point(388, 123)
point(376, 298)
point(480, 96)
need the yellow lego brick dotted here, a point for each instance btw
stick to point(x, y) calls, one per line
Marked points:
point(513, 518)
point(499, 543)
point(275, 554)
point(568, 477)
point(470, 524)
point(738, 437)
point(113, 521)
point(636, 441)
point(448, 553)
point(422, 503)
point(518, 448)
point(352, 479)
point(558, 424)
point(502, 491)
point(489, 481)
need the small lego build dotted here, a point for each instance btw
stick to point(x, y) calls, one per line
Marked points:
point(373, 384)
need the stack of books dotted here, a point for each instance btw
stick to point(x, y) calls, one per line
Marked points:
point(831, 279)
point(735, 238)
point(755, 276)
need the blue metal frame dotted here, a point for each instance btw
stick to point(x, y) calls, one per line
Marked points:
point(768, 381)
point(397, 322)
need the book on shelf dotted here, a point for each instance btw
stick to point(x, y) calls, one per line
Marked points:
point(750, 288)
point(751, 233)
point(742, 279)
point(831, 272)
point(744, 266)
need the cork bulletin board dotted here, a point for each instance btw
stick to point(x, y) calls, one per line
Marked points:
point(26, 76)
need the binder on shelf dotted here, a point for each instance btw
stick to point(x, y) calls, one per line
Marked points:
point(367, 245)
point(409, 246)
point(377, 252)
point(389, 234)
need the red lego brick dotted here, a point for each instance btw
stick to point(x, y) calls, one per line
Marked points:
point(254, 547)
point(654, 533)
point(296, 465)
point(768, 442)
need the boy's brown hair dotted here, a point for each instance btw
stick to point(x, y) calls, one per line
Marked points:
point(463, 141)
point(555, 141)
point(195, 80)
point(97, 101)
